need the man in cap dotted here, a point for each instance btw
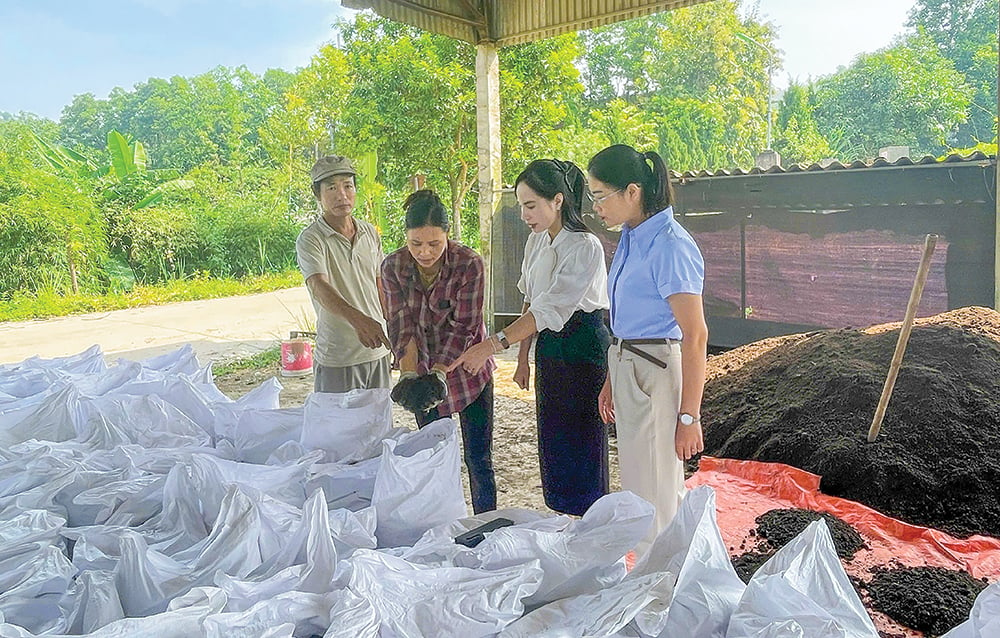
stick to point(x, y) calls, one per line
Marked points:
point(339, 256)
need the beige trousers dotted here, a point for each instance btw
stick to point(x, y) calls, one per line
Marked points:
point(647, 399)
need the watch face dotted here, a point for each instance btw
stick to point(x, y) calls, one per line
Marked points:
point(687, 419)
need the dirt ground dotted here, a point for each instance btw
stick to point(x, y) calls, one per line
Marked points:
point(515, 441)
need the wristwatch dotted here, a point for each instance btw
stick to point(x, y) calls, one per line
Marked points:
point(502, 338)
point(688, 419)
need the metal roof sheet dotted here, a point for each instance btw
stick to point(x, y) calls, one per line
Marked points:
point(507, 22)
point(927, 160)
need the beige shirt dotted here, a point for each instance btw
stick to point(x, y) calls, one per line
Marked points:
point(351, 268)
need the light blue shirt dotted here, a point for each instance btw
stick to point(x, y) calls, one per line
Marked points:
point(654, 260)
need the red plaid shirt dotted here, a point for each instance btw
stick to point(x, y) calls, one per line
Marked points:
point(443, 320)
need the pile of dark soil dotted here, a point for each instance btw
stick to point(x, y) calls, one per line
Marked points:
point(747, 564)
point(808, 400)
point(781, 526)
point(775, 528)
point(930, 599)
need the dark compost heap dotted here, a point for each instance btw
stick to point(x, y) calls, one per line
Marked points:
point(776, 528)
point(930, 599)
point(808, 400)
point(779, 527)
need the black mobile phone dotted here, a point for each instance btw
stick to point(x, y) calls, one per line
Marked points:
point(476, 535)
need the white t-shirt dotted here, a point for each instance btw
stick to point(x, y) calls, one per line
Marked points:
point(561, 276)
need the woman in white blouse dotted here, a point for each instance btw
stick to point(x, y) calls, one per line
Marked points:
point(564, 281)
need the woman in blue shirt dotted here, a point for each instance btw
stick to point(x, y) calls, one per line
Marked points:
point(656, 363)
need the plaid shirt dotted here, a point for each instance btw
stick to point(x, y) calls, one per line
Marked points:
point(443, 320)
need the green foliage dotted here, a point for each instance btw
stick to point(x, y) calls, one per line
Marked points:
point(214, 116)
point(695, 73)
point(797, 136)
point(269, 358)
point(51, 234)
point(48, 302)
point(906, 94)
point(240, 222)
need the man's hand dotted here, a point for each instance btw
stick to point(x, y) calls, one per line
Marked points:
point(522, 374)
point(688, 440)
point(370, 332)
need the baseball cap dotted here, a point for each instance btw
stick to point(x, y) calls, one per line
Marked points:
point(331, 165)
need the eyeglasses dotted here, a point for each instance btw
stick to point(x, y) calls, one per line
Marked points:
point(600, 200)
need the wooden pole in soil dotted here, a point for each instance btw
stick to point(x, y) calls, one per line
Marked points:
point(904, 336)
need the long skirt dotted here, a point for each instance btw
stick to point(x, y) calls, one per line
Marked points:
point(570, 369)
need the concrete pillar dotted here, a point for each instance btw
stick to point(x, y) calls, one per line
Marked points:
point(488, 145)
point(893, 154)
point(767, 159)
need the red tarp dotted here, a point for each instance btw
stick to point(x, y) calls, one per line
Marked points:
point(747, 489)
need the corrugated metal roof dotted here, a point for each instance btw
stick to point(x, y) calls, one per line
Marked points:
point(927, 160)
point(507, 22)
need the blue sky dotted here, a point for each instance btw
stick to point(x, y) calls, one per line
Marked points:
point(51, 50)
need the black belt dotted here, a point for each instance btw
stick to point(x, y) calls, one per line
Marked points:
point(630, 345)
point(644, 342)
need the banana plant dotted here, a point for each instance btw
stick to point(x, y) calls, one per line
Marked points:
point(371, 190)
point(123, 158)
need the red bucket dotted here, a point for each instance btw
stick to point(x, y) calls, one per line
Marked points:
point(296, 358)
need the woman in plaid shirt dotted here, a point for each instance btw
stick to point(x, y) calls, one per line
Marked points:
point(434, 290)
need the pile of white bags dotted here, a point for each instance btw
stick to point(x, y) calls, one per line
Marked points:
point(137, 499)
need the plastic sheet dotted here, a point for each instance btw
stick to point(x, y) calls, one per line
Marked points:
point(746, 489)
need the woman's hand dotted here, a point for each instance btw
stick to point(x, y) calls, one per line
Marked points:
point(605, 403)
point(473, 359)
point(688, 440)
point(522, 375)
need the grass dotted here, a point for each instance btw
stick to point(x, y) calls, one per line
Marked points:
point(51, 304)
point(266, 359)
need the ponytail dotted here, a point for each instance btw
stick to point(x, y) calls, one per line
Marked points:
point(621, 165)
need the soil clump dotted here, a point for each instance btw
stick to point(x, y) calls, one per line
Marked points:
point(776, 528)
point(808, 400)
point(779, 527)
point(930, 599)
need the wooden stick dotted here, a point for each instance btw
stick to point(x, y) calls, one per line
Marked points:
point(904, 336)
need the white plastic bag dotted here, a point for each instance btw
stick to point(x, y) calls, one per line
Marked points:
point(420, 489)
point(259, 432)
point(583, 558)
point(95, 602)
point(705, 589)
point(415, 601)
point(802, 591)
point(348, 426)
point(598, 615)
point(984, 619)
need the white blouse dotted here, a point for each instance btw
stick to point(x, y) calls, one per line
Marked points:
point(563, 276)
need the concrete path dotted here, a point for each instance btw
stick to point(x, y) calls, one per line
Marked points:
point(218, 329)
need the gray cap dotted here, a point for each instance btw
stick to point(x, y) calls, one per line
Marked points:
point(331, 165)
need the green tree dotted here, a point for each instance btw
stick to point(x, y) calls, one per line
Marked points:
point(797, 137)
point(907, 94)
point(51, 232)
point(696, 73)
point(965, 32)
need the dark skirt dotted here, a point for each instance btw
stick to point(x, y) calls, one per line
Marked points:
point(570, 369)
